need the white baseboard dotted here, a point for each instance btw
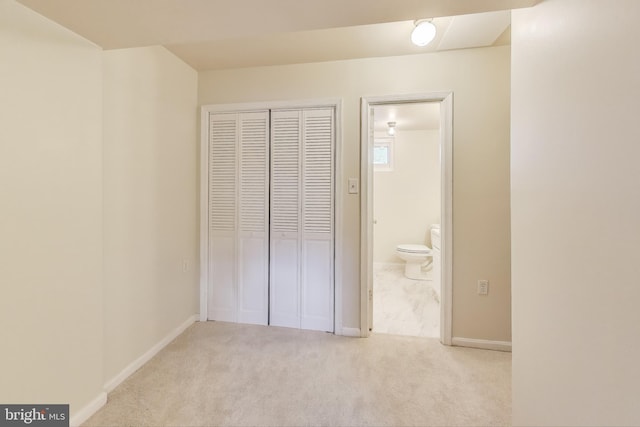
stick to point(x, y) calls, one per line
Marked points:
point(351, 332)
point(91, 408)
point(485, 344)
point(140, 361)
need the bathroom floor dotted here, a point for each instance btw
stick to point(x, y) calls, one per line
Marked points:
point(404, 306)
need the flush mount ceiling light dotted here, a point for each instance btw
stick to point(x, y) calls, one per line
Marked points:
point(423, 33)
point(392, 128)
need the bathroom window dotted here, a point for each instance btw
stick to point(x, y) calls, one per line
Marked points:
point(383, 154)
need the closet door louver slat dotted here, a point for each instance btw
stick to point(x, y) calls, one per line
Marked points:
point(318, 172)
point(253, 173)
point(285, 172)
point(222, 182)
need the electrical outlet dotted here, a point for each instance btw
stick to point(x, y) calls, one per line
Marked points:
point(185, 265)
point(483, 287)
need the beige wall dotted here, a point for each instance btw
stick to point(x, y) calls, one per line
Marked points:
point(150, 204)
point(480, 80)
point(51, 212)
point(576, 213)
point(89, 284)
point(406, 200)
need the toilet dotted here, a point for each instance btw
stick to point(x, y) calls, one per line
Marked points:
point(417, 258)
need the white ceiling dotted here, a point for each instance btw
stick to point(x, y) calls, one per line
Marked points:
point(413, 116)
point(210, 34)
point(362, 41)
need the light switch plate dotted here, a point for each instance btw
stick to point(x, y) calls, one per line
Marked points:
point(483, 287)
point(353, 186)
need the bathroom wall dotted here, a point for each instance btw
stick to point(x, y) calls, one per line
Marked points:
point(406, 200)
point(481, 235)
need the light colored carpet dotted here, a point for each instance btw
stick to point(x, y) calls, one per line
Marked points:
point(242, 375)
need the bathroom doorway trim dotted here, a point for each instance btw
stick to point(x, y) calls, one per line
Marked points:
point(366, 204)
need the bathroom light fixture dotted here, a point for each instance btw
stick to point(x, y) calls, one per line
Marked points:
point(423, 33)
point(392, 128)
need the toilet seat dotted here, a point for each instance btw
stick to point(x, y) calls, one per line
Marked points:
point(414, 249)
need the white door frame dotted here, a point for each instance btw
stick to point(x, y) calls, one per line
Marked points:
point(334, 103)
point(366, 204)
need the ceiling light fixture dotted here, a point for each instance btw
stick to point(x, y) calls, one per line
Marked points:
point(423, 33)
point(392, 128)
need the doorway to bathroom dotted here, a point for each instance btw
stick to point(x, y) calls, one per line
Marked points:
point(406, 211)
point(406, 215)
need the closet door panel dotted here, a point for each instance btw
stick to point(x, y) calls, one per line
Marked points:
point(286, 139)
point(253, 228)
point(222, 293)
point(222, 217)
point(317, 220)
point(285, 279)
point(252, 280)
point(317, 293)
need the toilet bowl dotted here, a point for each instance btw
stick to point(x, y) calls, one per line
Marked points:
point(414, 256)
point(417, 258)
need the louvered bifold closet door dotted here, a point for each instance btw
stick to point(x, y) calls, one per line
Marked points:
point(286, 142)
point(253, 229)
point(301, 285)
point(317, 220)
point(223, 137)
point(238, 223)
